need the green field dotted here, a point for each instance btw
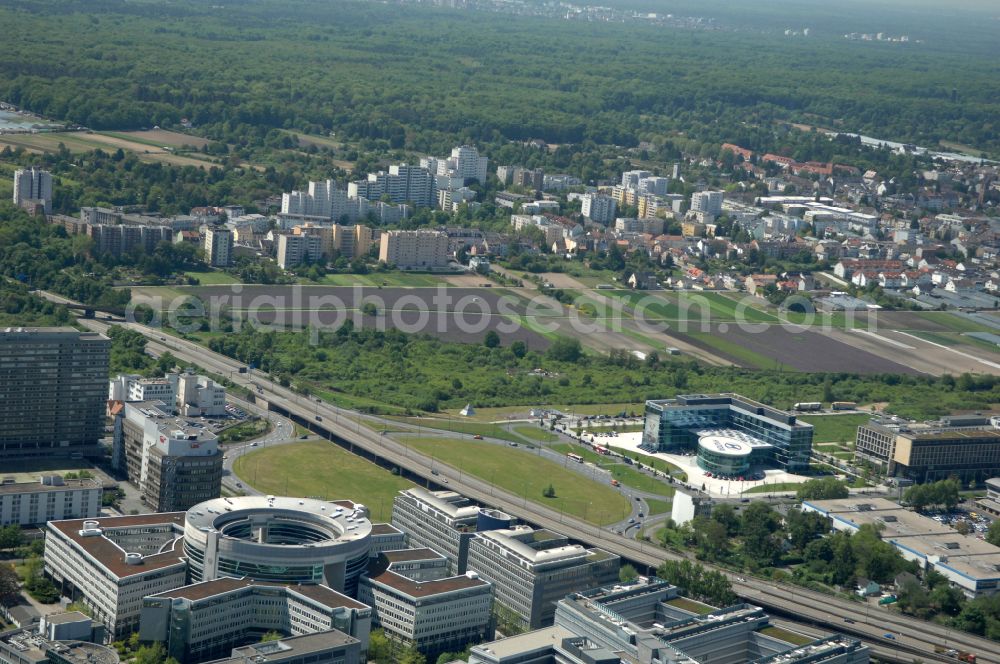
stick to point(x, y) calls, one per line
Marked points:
point(658, 506)
point(527, 475)
point(777, 486)
point(212, 278)
point(635, 479)
point(322, 470)
point(536, 433)
point(486, 429)
point(387, 279)
point(835, 428)
point(656, 464)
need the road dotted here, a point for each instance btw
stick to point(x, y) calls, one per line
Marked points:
point(914, 639)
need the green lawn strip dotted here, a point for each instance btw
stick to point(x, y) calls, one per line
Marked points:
point(323, 470)
point(955, 322)
point(212, 278)
point(354, 402)
point(728, 307)
point(583, 451)
point(655, 463)
point(935, 337)
point(246, 431)
point(387, 279)
point(535, 433)
point(791, 637)
point(835, 428)
point(741, 354)
point(527, 475)
point(464, 427)
point(133, 138)
point(691, 605)
point(777, 486)
point(529, 323)
point(657, 506)
point(635, 479)
point(497, 413)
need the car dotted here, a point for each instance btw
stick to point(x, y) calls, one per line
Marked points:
point(631, 520)
point(225, 456)
point(848, 621)
point(641, 515)
point(477, 437)
point(513, 444)
point(239, 485)
point(319, 419)
point(303, 436)
point(253, 444)
point(444, 480)
point(889, 635)
point(637, 498)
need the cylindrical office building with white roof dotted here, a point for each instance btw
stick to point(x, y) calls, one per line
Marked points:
point(280, 539)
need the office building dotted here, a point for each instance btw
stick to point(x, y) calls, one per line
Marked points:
point(533, 569)
point(418, 603)
point(647, 622)
point(707, 205)
point(279, 539)
point(653, 185)
point(52, 392)
point(132, 387)
point(330, 647)
point(25, 646)
point(206, 620)
point(445, 522)
point(732, 435)
point(966, 448)
point(51, 497)
point(408, 250)
point(175, 463)
point(190, 394)
point(969, 563)
point(599, 208)
point(297, 249)
point(111, 563)
point(33, 186)
point(219, 247)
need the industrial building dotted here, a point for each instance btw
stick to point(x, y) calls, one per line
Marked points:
point(444, 521)
point(51, 497)
point(732, 435)
point(647, 622)
point(970, 564)
point(52, 392)
point(532, 569)
point(965, 447)
point(173, 461)
point(207, 620)
point(418, 602)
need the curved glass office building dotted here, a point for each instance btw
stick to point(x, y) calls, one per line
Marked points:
point(677, 425)
point(285, 540)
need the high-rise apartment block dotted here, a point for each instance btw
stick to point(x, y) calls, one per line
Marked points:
point(33, 186)
point(52, 391)
point(630, 179)
point(599, 208)
point(707, 205)
point(409, 250)
point(297, 249)
point(219, 247)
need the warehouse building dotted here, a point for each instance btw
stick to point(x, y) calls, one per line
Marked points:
point(968, 563)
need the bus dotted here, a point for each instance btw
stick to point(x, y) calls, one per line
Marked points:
point(809, 405)
point(574, 457)
point(844, 405)
point(601, 450)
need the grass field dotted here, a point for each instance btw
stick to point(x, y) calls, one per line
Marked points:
point(387, 279)
point(658, 506)
point(212, 278)
point(654, 463)
point(78, 142)
point(323, 470)
point(777, 486)
point(835, 428)
point(464, 427)
point(502, 412)
point(535, 433)
point(635, 479)
point(690, 605)
point(527, 475)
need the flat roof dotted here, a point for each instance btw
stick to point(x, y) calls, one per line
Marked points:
point(343, 521)
point(38, 487)
point(527, 642)
point(409, 555)
point(206, 589)
point(380, 572)
point(385, 529)
point(66, 617)
point(112, 556)
point(289, 648)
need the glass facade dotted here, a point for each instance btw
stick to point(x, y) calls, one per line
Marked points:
point(672, 425)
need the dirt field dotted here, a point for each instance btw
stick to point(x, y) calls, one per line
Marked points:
point(85, 142)
point(162, 137)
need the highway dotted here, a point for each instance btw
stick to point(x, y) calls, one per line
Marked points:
point(911, 640)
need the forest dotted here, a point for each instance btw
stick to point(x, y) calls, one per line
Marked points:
point(425, 78)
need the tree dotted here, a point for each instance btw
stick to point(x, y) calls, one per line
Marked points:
point(270, 636)
point(549, 491)
point(154, 653)
point(804, 527)
point(565, 349)
point(411, 656)
point(11, 537)
point(380, 648)
point(757, 526)
point(10, 586)
point(993, 533)
point(824, 488)
point(492, 339)
point(627, 573)
point(519, 348)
